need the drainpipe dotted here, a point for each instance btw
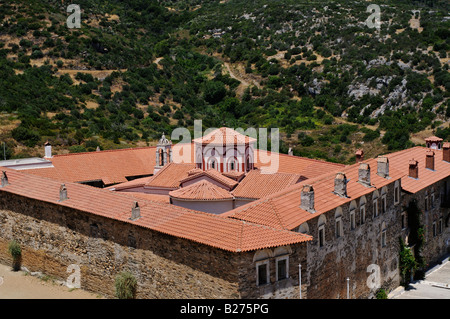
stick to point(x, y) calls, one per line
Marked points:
point(348, 288)
point(300, 280)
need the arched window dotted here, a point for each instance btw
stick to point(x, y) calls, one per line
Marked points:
point(161, 157)
point(233, 164)
point(362, 210)
point(339, 224)
point(282, 262)
point(321, 225)
point(375, 203)
point(396, 192)
point(352, 214)
point(212, 163)
point(261, 260)
point(303, 228)
point(383, 200)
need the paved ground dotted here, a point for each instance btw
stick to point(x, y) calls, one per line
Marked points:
point(435, 286)
point(19, 285)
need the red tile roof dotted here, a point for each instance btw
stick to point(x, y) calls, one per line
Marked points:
point(170, 176)
point(201, 190)
point(282, 209)
point(284, 163)
point(136, 183)
point(113, 166)
point(212, 230)
point(213, 174)
point(433, 139)
point(224, 136)
point(108, 166)
point(401, 160)
point(256, 185)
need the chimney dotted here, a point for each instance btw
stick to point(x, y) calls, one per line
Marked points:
point(429, 161)
point(307, 198)
point(48, 149)
point(135, 211)
point(383, 166)
point(97, 149)
point(4, 179)
point(63, 193)
point(359, 155)
point(413, 169)
point(364, 174)
point(340, 185)
point(446, 152)
point(290, 152)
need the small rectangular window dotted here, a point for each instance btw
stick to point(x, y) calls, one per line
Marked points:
point(383, 238)
point(383, 204)
point(363, 214)
point(375, 207)
point(282, 268)
point(321, 236)
point(352, 220)
point(338, 227)
point(262, 274)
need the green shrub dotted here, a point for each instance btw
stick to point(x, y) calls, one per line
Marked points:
point(125, 285)
point(381, 294)
point(16, 253)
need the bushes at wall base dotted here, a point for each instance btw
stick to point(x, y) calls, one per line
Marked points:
point(16, 253)
point(125, 285)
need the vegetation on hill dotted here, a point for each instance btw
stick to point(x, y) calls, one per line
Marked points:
point(138, 68)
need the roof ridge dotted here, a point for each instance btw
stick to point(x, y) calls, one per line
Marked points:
point(304, 158)
point(105, 151)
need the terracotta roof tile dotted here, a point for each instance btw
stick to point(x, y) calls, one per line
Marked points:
point(108, 166)
point(306, 167)
point(213, 174)
point(224, 136)
point(282, 209)
point(170, 175)
point(433, 139)
point(212, 230)
point(256, 185)
point(201, 190)
point(401, 160)
point(113, 166)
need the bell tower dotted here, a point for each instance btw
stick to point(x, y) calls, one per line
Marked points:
point(163, 153)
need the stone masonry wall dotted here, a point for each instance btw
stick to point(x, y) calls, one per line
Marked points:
point(53, 237)
point(281, 289)
point(358, 254)
point(436, 245)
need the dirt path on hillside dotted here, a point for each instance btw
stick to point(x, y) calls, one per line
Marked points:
point(19, 285)
point(246, 81)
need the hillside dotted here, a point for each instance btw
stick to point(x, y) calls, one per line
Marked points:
point(138, 68)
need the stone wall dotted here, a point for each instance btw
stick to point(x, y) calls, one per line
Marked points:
point(53, 237)
point(281, 289)
point(436, 245)
point(358, 254)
